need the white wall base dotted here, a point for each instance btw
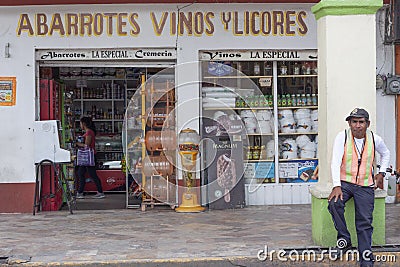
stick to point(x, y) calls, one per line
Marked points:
point(277, 194)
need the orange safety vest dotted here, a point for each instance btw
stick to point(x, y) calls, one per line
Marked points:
point(352, 170)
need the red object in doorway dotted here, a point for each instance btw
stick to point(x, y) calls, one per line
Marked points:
point(49, 100)
point(50, 193)
point(111, 180)
point(52, 202)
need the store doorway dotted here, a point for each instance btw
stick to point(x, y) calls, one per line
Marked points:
point(66, 92)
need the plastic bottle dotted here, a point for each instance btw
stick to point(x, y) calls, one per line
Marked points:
point(289, 100)
point(314, 99)
point(298, 100)
point(303, 100)
point(294, 100)
point(270, 101)
point(283, 101)
point(309, 100)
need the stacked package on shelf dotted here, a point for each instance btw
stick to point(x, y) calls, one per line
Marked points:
point(307, 147)
point(303, 120)
point(218, 97)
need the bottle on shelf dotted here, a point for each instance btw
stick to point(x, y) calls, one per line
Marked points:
point(309, 100)
point(270, 101)
point(256, 68)
point(314, 99)
point(298, 100)
point(283, 101)
point(283, 68)
point(308, 86)
point(303, 100)
point(289, 100)
point(294, 100)
point(267, 68)
point(306, 68)
point(296, 69)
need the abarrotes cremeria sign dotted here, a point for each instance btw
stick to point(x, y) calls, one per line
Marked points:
point(107, 54)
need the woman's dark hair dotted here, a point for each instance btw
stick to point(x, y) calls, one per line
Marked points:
point(89, 123)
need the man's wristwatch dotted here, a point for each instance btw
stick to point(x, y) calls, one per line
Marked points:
point(383, 173)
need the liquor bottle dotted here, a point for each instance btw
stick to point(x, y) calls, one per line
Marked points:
point(256, 68)
point(308, 86)
point(296, 69)
point(267, 68)
point(283, 69)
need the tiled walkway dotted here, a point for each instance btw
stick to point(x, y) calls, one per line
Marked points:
point(124, 235)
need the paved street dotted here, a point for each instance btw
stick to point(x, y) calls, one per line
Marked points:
point(161, 237)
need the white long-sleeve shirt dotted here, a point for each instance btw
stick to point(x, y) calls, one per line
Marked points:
point(338, 151)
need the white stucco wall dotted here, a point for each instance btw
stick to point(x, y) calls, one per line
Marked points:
point(16, 136)
point(385, 104)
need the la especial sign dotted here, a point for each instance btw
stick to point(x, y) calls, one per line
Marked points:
point(201, 23)
point(107, 54)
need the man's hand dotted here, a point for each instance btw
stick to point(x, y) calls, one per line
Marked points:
point(379, 181)
point(336, 193)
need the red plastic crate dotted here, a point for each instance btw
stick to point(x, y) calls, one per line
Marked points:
point(53, 203)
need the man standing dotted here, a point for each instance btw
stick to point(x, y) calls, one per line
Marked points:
point(352, 170)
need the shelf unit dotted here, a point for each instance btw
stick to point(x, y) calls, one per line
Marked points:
point(149, 164)
point(291, 87)
point(103, 99)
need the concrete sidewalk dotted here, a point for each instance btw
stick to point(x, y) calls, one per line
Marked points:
point(162, 237)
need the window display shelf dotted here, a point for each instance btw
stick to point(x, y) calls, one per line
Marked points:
point(88, 78)
point(98, 99)
point(298, 76)
point(99, 120)
point(310, 133)
point(254, 108)
point(239, 77)
point(279, 94)
point(257, 134)
point(298, 107)
point(258, 160)
point(296, 159)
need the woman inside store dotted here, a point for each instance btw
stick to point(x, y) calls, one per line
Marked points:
point(89, 140)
